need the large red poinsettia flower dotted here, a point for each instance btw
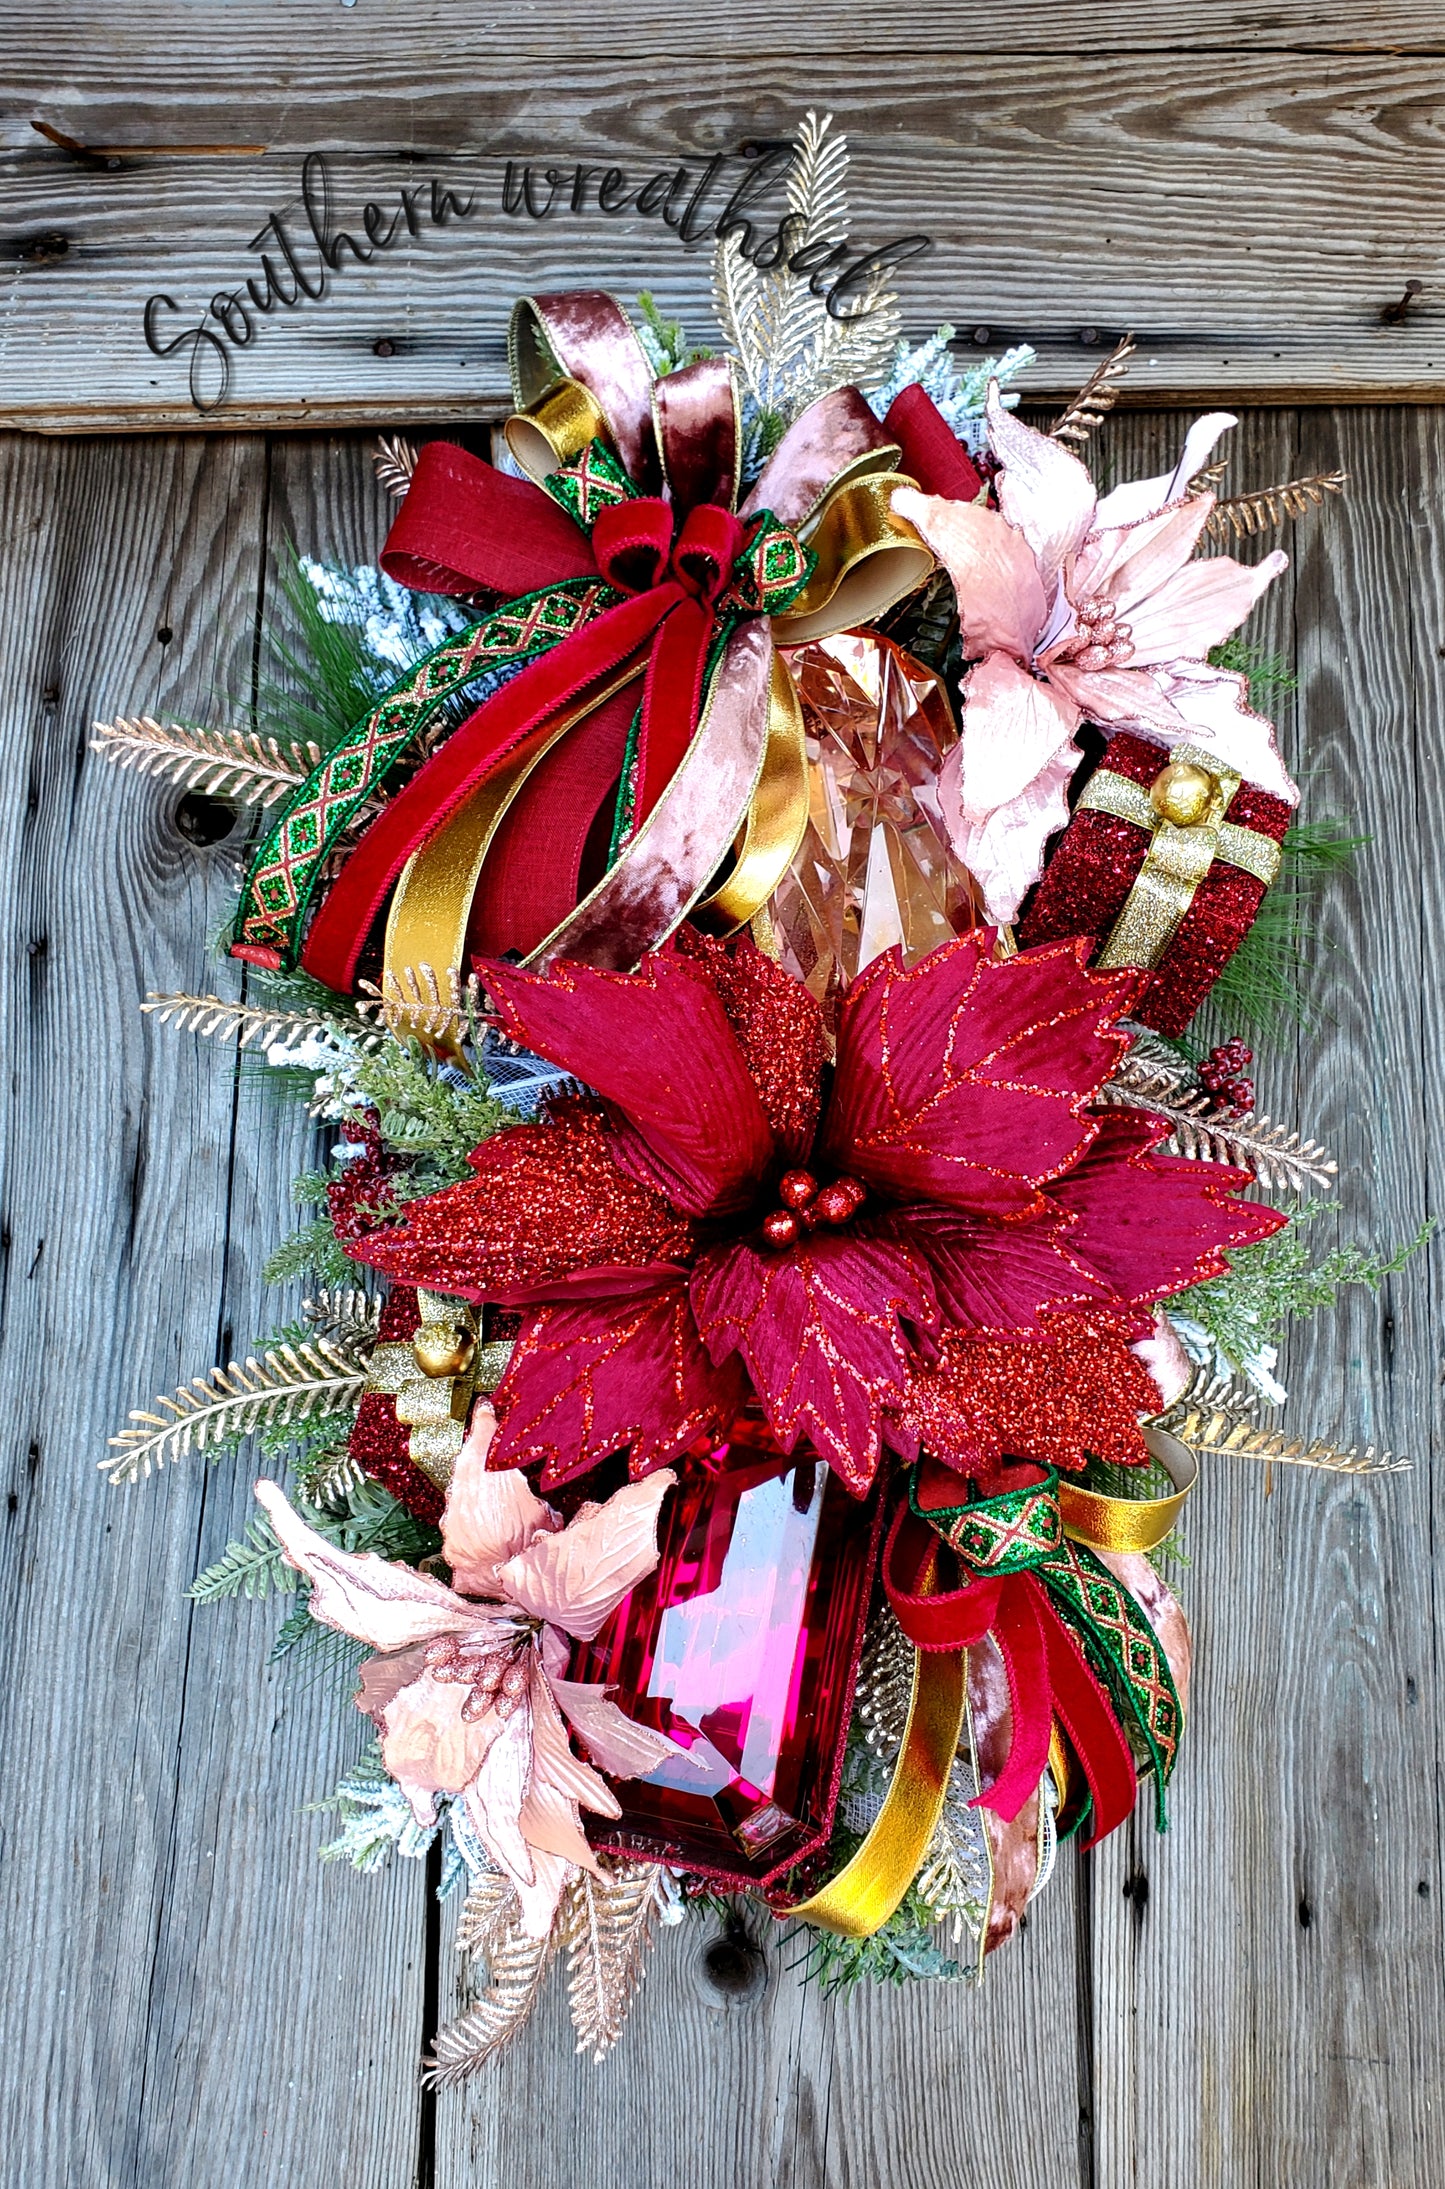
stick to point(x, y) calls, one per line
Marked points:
point(728, 1211)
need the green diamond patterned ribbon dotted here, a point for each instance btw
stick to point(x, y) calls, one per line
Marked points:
point(1022, 1531)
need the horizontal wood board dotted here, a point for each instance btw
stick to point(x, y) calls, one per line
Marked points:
point(192, 1997)
point(1248, 195)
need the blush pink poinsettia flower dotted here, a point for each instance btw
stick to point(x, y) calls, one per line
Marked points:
point(1074, 609)
point(468, 1686)
point(729, 1215)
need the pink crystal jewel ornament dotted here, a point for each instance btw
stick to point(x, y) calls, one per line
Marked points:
point(742, 1645)
point(875, 867)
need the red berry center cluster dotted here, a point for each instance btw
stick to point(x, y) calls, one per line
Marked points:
point(806, 1204)
point(1223, 1075)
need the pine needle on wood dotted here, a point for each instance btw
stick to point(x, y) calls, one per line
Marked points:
point(234, 764)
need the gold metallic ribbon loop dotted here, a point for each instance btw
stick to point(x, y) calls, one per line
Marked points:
point(868, 560)
point(1130, 1523)
point(1186, 836)
point(867, 1890)
point(777, 817)
point(554, 430)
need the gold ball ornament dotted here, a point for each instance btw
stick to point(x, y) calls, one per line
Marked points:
point(443, 1350)
point(1182, 793)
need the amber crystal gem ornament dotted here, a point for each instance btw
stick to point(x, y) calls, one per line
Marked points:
point(874, 867)
point(743, 1646)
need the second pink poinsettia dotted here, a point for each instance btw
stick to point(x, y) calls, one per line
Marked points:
point(1073, 609)
point(468, 1685)
point(726, 1213)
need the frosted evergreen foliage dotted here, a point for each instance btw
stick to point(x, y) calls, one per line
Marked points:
point(960, 396)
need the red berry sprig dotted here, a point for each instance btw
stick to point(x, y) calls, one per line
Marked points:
point(1223, 1076)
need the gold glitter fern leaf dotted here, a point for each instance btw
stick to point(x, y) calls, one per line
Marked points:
point(234, 764)
point(517, 1966)
point(1223, 1435)
point(1097, 397)
point(1276, 1156)
point(1243, 516)
point(394, 463)
point(289, 1383)
point(607, 1923)
point(223, 1021)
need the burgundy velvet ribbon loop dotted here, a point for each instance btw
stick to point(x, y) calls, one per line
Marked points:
point(632, 542)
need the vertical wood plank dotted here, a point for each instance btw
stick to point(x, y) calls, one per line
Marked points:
point(1267, 1977)
point(917, 2087)
point(173, 1993)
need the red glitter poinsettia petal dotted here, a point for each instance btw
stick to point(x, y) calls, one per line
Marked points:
point(779, 1029)
point(656, 1044)
point(818, 1328)
point(1072, 1393)
point(1152, 1224)
point(1000, 1280)
point(589, 1379)
point(547, 1200)
point(966, 1080)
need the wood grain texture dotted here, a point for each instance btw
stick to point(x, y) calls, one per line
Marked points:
point(764, 2093)
point(1255, 1996)
point(1250, 214)
point(1300, 2037)
point(175, 2009)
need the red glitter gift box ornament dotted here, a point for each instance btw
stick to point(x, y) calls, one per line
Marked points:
point(742, 1645)
point(1165, 861)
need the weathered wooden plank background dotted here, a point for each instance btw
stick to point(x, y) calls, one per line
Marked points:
point(1248, 194)
point(190, 1995)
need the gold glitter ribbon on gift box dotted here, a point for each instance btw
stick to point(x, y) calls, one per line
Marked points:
point(433, 1376)
point(1183, 811)
point(871, 1885)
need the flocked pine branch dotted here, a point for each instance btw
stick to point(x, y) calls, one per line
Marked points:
point(1243, 515)
point(251, 1022)
point(394, 461)
point(289, 1383)
point(1276, 1156)
point(1097, 397)
point(236, 764)
point(1218, 1435)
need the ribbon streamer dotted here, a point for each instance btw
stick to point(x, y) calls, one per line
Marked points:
point(1054, 1690)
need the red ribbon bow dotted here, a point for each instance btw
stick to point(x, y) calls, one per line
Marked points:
point(466, 528)
point(1047, 1674)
